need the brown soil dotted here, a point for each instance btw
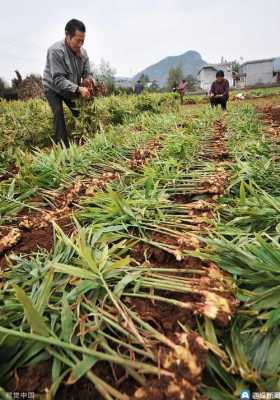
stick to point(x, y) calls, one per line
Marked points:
point(183, 242)
point(85, 390)
point(138, 128)
point(10, 172)
point(189, 101)
point(271, 118)
point(163, 316)
point(31, 379)
point(181, 198)
point(275, 113)
point(36, 238)
point(161, 257)
point(186, 364)
point(36, 233)
point(35, 229)
point(37, 379)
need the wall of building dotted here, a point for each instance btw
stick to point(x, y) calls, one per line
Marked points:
point(259, 72)
point(241, 83)
point(227, 68)
point(206, 77)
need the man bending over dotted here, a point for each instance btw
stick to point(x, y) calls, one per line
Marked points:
point(67, 76)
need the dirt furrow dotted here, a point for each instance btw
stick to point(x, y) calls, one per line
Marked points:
point(270, 116)
point(219, 306)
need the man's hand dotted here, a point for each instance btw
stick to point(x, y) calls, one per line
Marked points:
point(89, 83)
point(84, 91)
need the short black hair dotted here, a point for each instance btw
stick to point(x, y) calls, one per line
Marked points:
point(220, 74)
point(74, 25)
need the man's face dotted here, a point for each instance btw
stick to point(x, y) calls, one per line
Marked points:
point(76, 42)
point(220, 78)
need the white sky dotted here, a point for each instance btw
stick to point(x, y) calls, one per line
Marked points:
point(132, 34)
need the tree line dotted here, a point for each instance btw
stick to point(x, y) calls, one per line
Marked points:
point(31, 86)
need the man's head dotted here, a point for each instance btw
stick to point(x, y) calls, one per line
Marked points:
point(220, 75)
point(75, 32)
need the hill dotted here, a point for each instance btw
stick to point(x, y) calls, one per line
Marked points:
point(190, 62)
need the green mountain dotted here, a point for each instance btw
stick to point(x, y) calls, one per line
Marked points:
point(190, 62)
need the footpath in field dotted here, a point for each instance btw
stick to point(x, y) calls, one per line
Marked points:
point(246, 245)
point(138, 298)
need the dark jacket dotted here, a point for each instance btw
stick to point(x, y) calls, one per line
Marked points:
point(221, 88)
point(138, 88)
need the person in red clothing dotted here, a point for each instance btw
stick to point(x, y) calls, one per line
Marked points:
point(182, 90)
point(219, 92)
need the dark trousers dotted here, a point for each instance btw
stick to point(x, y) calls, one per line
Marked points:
point(215, 101)
point(56, 103)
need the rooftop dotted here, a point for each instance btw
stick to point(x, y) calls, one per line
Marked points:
point(216, 67)
point(208, 66)
point(259, 61)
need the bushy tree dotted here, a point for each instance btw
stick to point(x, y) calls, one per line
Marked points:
point(105, 73)
point(191, 83)
point(124, 90)
point(31, 87)
point(28, 88)
point(16, 82)
point(2, 87)
point(7, 92)
point(236, 66)
point(154, 87)
point(175, 75)
point(144, 79)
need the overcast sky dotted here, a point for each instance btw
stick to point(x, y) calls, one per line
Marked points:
point(132, 34)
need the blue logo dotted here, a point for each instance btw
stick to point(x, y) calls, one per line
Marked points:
point(245, 395)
